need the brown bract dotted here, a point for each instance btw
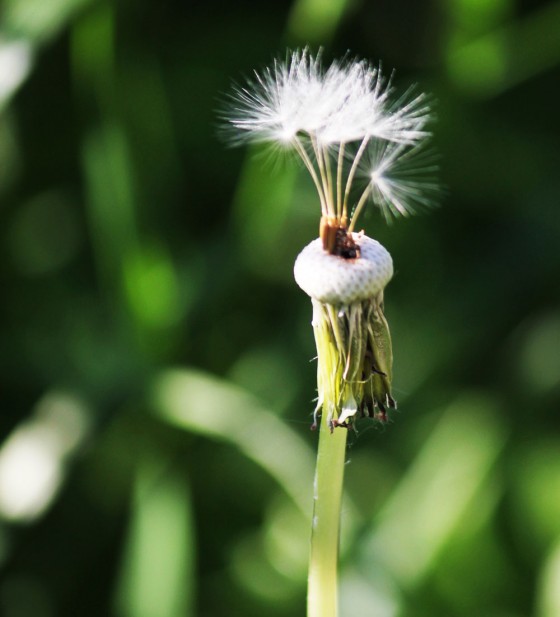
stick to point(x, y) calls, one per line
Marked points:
point(336, 239)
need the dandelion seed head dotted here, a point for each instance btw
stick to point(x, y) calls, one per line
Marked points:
point(339, 117)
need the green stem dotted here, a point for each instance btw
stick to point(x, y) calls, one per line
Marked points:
point(322, 596)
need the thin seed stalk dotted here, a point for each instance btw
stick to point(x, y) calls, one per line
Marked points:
point(307, 161)
point(340, 163)
point(359, 207)
point(328, 173)
point(351, 173)
point(319, 155)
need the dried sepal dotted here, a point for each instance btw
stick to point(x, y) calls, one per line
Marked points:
point(354, 361)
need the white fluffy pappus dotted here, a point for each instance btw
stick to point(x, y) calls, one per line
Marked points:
point(336, 119)
point(402, 179)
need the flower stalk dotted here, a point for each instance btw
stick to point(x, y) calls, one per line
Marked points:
point(322, 595)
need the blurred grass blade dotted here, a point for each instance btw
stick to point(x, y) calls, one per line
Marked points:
point(450, 471)
point(38, 20)
point(509, 55)
point(204, 404)
point(93, 50)
point(548, 598)
point(106, 157)
point(35, 457)
point(24, 26)
point(261, 206)
point(535, 495)
point(315, 21)
point(15, 64)
point(111, 206)
point(157, 574)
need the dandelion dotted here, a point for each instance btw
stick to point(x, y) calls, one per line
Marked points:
point(361, 145)
point(347, 126)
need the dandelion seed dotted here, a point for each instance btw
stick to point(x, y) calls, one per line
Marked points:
point(401, 178)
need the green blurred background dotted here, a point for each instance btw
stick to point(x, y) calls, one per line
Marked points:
point(156, 458)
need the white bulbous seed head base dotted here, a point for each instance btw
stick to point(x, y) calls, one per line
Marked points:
point(338, 281)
